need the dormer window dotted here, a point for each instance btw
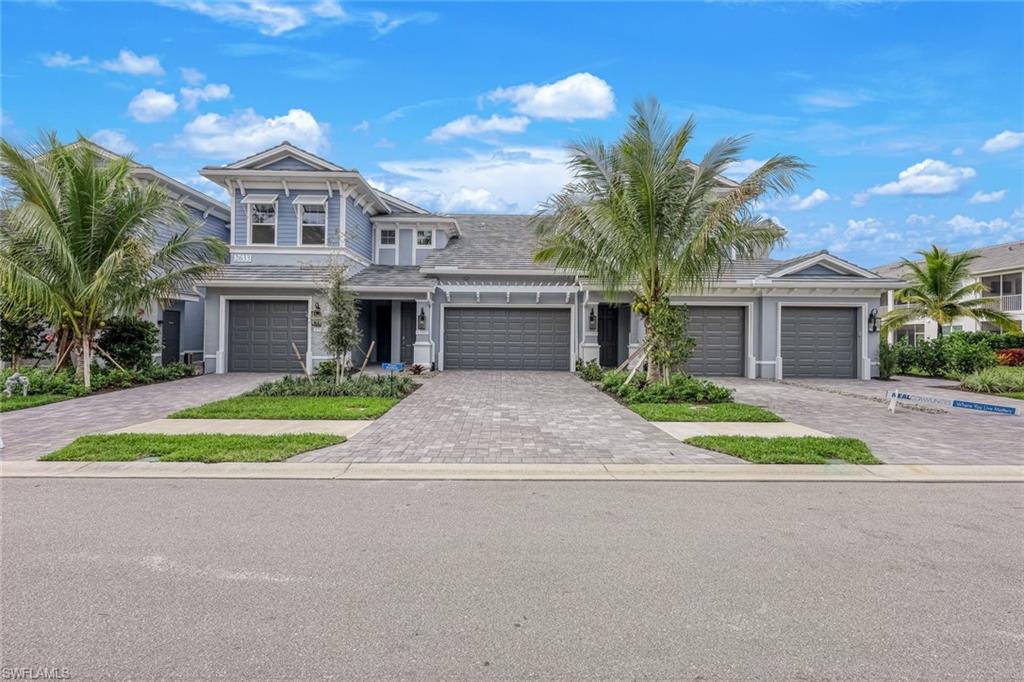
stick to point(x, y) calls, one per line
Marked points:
point(424, 237)
point(262, 219)
point(312, 219)
point(387, 237)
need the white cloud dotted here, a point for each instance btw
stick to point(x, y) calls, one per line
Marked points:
point(62, 60)
point(867, 227)
point(739, 170)
point(152, 105)
point(1018, 213)
point(134, 65)
point(835, 99)
point(959, 151)
point(472, 126)
point(206, 186)
point(384, 143)
point(579, 96)
point(987, 197)
point(329, 9)
point(208, 93)
point(962, 224)
point(114, 140)
point(246, 132)
point(1004, 141)
point(510, 179)
point(915, 220)
point(796, 202)
point(192, 76)
point(929, 178)
point(269, 18)
point(361, 127)
point(384, 23)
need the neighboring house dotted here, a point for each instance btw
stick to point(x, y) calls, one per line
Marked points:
point(463, 291)
point(1000, 268)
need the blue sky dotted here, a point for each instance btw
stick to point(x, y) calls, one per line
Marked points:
point(912, 114)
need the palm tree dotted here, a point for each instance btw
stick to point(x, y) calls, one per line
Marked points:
point(79, 240)
point(941, 289)
point(640, 216)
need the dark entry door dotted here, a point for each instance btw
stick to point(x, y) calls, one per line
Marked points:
point(608, 335)
point(170, 332)
point(408, 330)
point(382, 351)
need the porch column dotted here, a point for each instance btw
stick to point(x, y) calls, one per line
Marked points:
point(423, 348)
point(590, 349)
point(636, 336)
point(396, 331)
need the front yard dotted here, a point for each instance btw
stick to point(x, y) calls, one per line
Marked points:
point(20, 402)
point(200, 447)
point(788, 450)
point(290, 407)
point(711, 412)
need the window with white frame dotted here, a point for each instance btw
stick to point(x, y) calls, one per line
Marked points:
point(312, 222)
point(387, 237)
point(263, 223)
point(424, 237)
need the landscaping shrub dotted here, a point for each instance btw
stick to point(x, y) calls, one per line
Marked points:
point(962, 356)
point(995, 380)
point(682, 389)
point(589, 371)
point(131, 341)
point(64, 382)
point(995, 340)
point(888, 359)
point(1010, 357)
point(43, 381)
point(393, 386)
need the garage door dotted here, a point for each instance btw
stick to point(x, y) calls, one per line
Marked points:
point(819, 342)
point(506, 338)
point(719, 332)
point(261, 334)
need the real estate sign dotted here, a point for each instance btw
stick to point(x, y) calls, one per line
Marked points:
point(904, 397)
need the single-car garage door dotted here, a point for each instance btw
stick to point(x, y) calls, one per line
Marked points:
point(819, 342)
point(261, 334)
point(719, 332)
point(506, 338)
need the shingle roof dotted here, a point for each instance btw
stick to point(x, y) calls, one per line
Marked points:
point(490, 242)
point(313, 274)
point(997, 257)
point(391, 276)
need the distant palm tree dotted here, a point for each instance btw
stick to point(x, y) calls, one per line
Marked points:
point(640, 216)
point(939, 289)
point(79, 240)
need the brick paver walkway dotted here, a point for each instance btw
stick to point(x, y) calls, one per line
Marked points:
point(952, 436)
point(31, 433)
point(511, 417)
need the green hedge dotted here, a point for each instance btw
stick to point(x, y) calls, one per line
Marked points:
point(366, 386)
point(954, 354)
point(679, 389)
point(64, 382)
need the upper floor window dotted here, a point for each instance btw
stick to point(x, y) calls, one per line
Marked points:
point(387, 237)
point(312, 219)
point(263, 223)
point(424, 237)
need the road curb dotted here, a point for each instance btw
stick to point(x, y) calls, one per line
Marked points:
point(847, 473)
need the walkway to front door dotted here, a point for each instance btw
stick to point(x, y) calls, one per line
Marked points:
point(511, 417)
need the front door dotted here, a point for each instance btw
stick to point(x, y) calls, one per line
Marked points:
point(408, 330)
point(608, 334)
point(382, 350)
point(171, 337)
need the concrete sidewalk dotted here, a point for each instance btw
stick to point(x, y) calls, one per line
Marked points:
point(923, 473)
point(250, 427)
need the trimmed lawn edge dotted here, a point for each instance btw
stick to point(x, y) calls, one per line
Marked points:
point(787, 449)
point(17, 402)
point(197, 447)
point(290, 407)
point(709, 412)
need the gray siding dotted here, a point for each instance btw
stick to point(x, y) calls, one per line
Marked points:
point(289, 163)
point(287, 217)
point(358, 232)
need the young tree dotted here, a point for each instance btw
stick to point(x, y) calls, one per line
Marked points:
point(79, 240)
point(939, 289)
point(639, 216)
point(341, 325)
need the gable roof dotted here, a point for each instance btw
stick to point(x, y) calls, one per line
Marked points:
point(284, 150)
point(817, 261)
point(489, 243)
point(1006, 256)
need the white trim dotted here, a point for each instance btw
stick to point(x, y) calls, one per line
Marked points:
point(248, 218)
point(222, 350)
point(231, 226)
point(300, 210)
point(416, 246)
point(571, 307)
point(824, 259)
point(863, 364)
point(283, 150)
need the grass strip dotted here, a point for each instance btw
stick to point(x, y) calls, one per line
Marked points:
point(714, 412)
point(787, 449)
point(19, 402)
point(197, 447)
point(290, 407)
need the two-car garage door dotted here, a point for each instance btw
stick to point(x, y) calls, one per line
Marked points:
point(507, 338)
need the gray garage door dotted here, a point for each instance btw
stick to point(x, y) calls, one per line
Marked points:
point(819, 342)
point(720, 333)
point(261, 333)
point(506, 338)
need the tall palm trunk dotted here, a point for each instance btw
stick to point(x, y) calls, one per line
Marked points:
point(87, 359)
point(653, 370)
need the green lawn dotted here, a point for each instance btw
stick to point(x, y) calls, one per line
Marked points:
point(1017, 395)
point(17, 402)
point(290, 407)
point(714, 412)
point(199, 447)
point(788, 450)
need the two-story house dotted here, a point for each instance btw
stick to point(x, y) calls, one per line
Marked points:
point(464, 292)
point(1000, 268)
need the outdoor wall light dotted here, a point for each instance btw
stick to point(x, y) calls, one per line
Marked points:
point(873, 321)
point(421, 320)
point(317, 317)
point(592, 320)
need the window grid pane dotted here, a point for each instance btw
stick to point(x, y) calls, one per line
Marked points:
point(387, 236)
point(424, 238)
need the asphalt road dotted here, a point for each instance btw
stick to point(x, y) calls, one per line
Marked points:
point(261, 580)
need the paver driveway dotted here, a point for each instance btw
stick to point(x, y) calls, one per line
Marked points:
point(31, 433)
point(857, 409)
point(511, 417)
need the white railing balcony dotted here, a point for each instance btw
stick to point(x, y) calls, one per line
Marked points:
point(1010, 303)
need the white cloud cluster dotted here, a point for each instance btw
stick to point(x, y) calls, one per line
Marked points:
point(62, 60)
point(129, 63)
point(579, 96)
point(796, 202)
point(835, 99)
point(962, 224)
point(114, 140)
point(980, 197)
point(472, 126)
point(210, 92)
point(916, 220)
point(929, 178)
point(152, 105)
point(246, 132)
point(192, 76)
point(739, 170)
point(1003, 142)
